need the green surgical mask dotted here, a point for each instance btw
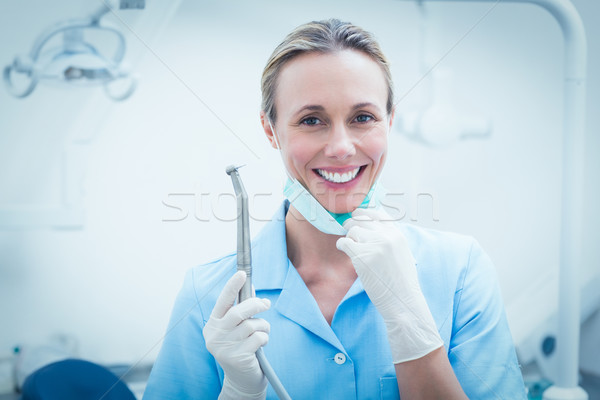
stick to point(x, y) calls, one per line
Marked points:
point(319, 216)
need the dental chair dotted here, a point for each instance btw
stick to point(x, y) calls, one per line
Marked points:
point(74, 379)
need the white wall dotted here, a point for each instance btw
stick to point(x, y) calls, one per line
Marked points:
point(112, 283)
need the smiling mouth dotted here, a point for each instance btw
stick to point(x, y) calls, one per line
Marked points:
point(337, 177)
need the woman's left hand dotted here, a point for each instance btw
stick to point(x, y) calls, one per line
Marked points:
point(387, 270)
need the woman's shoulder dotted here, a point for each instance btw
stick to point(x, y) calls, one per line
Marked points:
point(447, 256)
point(203, 283)
point(447, 264)
point(438, 244)
point(212, 268)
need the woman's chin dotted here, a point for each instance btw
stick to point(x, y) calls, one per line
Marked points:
point(342, 204)
point(342, 210)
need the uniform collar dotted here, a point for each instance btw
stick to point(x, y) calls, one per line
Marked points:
point(270, 247)
point(272, 270)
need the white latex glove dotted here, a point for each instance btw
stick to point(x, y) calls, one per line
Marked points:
point(387, 270)
point(232, 336)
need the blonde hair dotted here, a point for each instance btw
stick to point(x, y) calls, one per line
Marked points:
point(325, 36)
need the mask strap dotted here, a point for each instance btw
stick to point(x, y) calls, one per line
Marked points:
point(274, 134)
point(279, 149)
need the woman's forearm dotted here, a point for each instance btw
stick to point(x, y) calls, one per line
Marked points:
point(428, 377)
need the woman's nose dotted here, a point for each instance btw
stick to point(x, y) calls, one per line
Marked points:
point(340, 143)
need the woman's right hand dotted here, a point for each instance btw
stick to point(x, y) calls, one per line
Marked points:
point(232, 336)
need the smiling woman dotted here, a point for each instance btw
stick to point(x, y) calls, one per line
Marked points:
point(332, 124)
point(380, 310)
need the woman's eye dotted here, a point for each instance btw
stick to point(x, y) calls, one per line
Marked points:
point(310, 121)
point(364, 118)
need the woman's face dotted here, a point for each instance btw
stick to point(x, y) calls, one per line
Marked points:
point(332, 125)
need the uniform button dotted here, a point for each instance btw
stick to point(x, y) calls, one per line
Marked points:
point(340, 358)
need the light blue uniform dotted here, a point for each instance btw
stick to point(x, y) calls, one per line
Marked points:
point(351, 358)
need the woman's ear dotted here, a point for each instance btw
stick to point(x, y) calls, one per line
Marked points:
point(264, 120)
point(392, 117)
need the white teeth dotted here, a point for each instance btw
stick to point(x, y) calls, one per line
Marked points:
point(336, 177)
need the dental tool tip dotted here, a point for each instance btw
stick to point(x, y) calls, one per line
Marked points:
point(232, 168)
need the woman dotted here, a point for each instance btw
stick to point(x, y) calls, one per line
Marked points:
point(366, 309)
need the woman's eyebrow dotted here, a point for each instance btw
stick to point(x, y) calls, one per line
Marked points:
point(361, 105)
point(316, 107)
point(310, 107)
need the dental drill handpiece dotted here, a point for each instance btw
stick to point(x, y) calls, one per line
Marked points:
point(244, 263)
point(244, 254)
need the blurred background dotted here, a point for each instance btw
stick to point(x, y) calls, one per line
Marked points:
point(105, 203)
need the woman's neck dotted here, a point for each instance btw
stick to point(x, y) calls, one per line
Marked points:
point(310, 248)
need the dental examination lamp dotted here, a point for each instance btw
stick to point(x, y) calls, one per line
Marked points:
point(76, 61)
point(244, 263)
